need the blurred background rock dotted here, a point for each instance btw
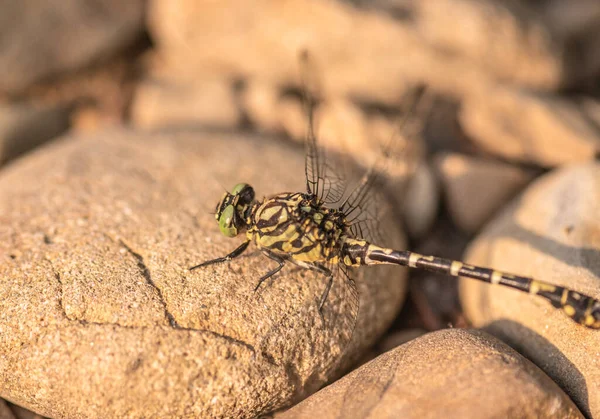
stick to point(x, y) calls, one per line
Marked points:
point(516, 88)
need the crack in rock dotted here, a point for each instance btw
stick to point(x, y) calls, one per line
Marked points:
point(60, 295)
point(172, 322)
point(146, 274)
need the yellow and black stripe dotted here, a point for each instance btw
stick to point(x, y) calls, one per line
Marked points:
point(296, 226)
point(581, 308)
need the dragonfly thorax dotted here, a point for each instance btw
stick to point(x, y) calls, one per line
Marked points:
point(297, 226)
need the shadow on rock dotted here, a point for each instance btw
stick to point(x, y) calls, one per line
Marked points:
point(561, 370)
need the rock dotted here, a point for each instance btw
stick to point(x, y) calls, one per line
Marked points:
point(100, 96)
point(373, 51)
point(576, 24)
point(292, 115)
point(541, 45)
point(476, 188)
point(591, 109)
point(451, 373)
point(505, 39)
point(44, 39)
point(22, 413)
point(172, 102)
point(575, 17)
point(344, 128)
point(421, 201)
point(340, 125)
point(102, 318)
point(262, 103)
point(278, 31)
point(5, 412)
point(398, 338)
point(24, 127)
point(358, 53)
point(551, 233)
point(531, 127)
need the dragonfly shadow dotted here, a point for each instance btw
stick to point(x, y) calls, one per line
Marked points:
point(586, 258)
point(539, 350)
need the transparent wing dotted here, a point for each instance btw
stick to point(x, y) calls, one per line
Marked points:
point(340, 313)
point(364, 204)
point(321, 179)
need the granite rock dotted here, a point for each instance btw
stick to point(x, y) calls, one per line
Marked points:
point(550, 232)
point(100, 316)
point(452, 373)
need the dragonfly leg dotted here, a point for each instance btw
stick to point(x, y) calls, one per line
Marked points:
point(326, 292)
point(272, 272)
point(238, 251)
point(327, 272)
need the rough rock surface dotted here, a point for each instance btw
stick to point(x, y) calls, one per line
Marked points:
point(452, 373)
point(476, 188)
point(550, 232)
point(40, 39)
point(99, 315)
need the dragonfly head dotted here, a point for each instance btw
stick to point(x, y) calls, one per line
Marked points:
point(232, 209)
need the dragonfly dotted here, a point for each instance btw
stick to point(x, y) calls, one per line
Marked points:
point(324, 229)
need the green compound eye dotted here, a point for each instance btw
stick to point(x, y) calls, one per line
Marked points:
point(238, 188)
point(226, 223)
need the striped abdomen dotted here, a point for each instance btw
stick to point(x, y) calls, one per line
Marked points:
point(581, 308)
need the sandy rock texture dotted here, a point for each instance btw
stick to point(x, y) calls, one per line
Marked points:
point(99, 314)
point(41, 39)
point(452, 374)
point(550, 232)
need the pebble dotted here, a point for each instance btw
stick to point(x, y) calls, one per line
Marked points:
point(172, 102)
point(550, 232)
point(421, 201)
point(358, 53)
point(475, 188)
point(453, 373)
point(504, 39)
point(43, 39)
point(536, 128)
point(24, 127)
point(102, 318)
point(5, 412)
